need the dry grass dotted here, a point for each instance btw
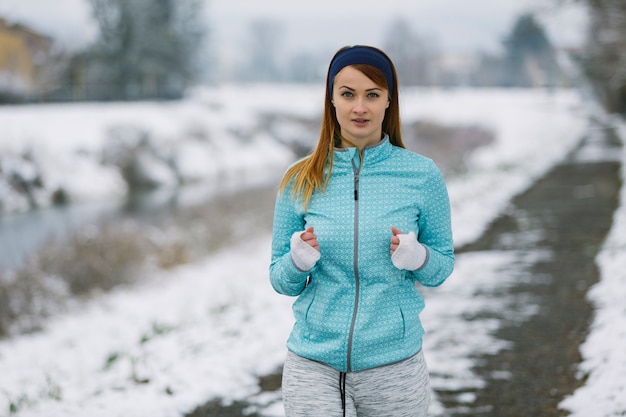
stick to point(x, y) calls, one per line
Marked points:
point(448, 146)
point(100, 257)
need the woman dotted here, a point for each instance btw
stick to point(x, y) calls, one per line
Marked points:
point(357, 224)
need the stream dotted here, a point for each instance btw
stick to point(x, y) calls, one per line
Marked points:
point(22, 234)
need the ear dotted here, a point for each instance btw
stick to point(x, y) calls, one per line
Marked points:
point(388, 103)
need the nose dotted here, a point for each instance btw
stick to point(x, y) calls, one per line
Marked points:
point(359, 106)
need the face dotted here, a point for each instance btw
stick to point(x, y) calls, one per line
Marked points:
point(360, 107)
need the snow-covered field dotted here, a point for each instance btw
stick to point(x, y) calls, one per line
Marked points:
point(209, 329)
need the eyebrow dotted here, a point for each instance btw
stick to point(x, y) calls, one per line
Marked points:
point(368, 89)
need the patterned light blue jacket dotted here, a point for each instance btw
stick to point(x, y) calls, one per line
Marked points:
point(355, 310)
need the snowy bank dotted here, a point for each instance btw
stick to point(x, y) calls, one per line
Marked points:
point(97, 151)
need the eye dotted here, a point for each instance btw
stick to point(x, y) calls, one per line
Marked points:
point(347, 94)
point(373, 95)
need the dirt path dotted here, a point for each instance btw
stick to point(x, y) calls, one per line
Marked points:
point(570, 211)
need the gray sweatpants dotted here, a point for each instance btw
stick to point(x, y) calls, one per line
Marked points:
point(312, 389)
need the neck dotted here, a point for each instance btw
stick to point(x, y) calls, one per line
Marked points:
point(343, 142)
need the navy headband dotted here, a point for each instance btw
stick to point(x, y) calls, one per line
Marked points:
point(360, 55)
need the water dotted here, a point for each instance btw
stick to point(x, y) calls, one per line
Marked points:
point(22, 234)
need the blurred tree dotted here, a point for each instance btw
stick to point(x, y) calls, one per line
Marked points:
point(603, 59)
point(265, 36)
point(413, 56)
point(306, 67)
point(530, 59)
point(490, 72)
point(146, 49)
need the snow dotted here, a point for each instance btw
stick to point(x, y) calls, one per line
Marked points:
point(178, 334)
point(209, 329)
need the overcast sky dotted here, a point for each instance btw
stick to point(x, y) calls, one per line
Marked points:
point(329, 24)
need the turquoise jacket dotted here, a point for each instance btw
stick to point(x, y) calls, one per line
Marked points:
point(355, 310)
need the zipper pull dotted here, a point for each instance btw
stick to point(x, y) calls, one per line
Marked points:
point(357, 172)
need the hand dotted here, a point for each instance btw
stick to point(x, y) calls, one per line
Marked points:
point(305, 250)
point(395, 240)
point(309, 237)
point(406, 252)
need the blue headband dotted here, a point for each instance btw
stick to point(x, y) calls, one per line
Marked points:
point(360, 55)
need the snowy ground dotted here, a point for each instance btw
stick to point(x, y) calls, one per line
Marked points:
point(209, 329)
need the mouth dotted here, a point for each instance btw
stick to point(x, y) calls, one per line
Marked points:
point(360, 122)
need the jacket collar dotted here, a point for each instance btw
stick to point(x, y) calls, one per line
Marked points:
point(371, 154)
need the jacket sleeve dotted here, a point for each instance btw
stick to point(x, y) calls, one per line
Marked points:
point(285, 277)
point(435, 233)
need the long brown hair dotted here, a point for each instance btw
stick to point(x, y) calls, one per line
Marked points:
point(308, 173)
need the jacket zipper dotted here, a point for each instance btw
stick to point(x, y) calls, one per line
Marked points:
point(355, 264)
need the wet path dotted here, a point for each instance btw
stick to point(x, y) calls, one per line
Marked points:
point(567, 214)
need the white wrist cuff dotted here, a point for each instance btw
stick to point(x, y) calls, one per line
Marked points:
point(303, 255)
point(410, 254)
